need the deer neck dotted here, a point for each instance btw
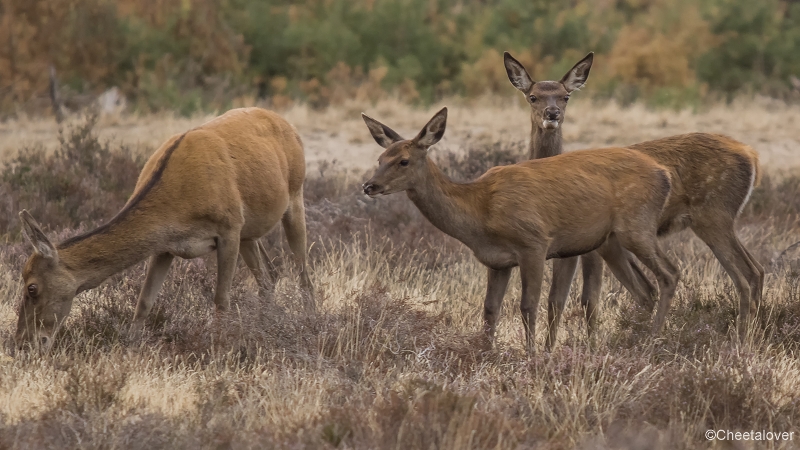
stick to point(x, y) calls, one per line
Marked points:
point(544, 143)
point(127, 239)
point(451, 207)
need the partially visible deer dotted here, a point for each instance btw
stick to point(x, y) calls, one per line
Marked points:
point(712, 178)
point(218, 187)
point(523, 214)
point(795, 82)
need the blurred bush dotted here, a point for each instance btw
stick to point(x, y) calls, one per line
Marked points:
point(192, 54)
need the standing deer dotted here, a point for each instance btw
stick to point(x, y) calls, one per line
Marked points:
point(712, 178)
point(220, 186)
point(523, 214)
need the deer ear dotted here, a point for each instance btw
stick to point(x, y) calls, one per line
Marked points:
point(382, 134)
point(517, 74)
point(35, 235)
point(434, 129)
point(576, 77)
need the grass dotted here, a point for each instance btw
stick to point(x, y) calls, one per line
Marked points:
point(391, 358)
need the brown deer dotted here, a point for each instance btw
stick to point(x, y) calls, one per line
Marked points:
point(218, 187)
point(712, 178)
point(523, 214)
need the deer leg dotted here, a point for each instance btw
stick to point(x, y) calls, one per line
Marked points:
point(756, 281)
point(563, 273)
point(644, 283)
point(734, 259)
point(650, 254)
point(592, 268)
point(497, 283)
point(531, 269)
point(627, 272)
point(294, 224)
point(251, 255)
point(272, 271)
point(227, 253)
point(157, 270)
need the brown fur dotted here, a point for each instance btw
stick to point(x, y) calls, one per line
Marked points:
point(522, 214)
point(712, 177)
point(220, 186)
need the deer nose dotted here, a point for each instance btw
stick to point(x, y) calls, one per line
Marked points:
point(552, 113)
point(368, 188)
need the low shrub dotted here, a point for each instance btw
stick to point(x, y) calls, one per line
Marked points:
point(83, 180)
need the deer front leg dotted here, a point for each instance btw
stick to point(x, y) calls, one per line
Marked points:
point(227, 253)
point(157, 270)
point(563, 273)
point(531, 268)
point(496, 286)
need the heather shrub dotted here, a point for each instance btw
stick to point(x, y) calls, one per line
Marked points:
point(777, 197)
point(393, 354)
point(83, 180)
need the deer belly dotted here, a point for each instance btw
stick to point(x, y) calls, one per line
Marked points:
point(193, 247)
point(496, 258)
point(572, 247)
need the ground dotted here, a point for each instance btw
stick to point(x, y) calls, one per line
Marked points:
point(392, 355)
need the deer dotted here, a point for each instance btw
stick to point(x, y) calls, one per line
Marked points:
point(525, 213)
point(218, 187)
point(712, 177)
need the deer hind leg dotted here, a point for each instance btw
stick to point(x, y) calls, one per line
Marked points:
point(622, 265)
point(497, 283)
point(563, 273)
point(227, 253)
point(251, 254)
point(648, 251)
point(272, 271)
point(757, 283)
point(737, 263)
point(157, 270)
point(592, 269)
point(294, 224)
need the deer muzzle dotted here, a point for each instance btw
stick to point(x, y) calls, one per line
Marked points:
point(371, 189)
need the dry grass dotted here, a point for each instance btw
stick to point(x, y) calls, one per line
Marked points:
point(338, 133)
point(391, 359)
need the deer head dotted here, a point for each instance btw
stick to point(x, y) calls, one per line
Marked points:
point(49, 288)
point(548, 99)
point(404, 161)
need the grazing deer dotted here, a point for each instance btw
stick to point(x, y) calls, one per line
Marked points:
point(523, 214)
point(712, 178)
point(220, 186)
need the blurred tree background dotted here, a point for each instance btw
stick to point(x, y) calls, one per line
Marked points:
point(187, 55)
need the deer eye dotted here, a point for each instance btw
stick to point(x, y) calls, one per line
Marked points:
point(33, 290)
point(404, 162)
point(533, 98)
point(566, 99)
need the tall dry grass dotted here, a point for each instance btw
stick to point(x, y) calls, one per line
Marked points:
point(338, 134)
point(391, 356)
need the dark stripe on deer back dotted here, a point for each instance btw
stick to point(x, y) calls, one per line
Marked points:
point(133, 203)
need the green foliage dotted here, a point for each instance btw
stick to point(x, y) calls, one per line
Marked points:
point(189, 55)
point(758, 48)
